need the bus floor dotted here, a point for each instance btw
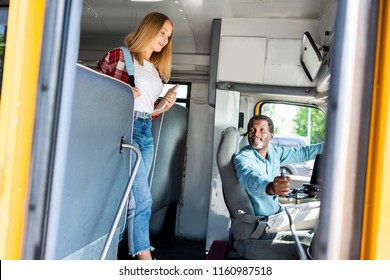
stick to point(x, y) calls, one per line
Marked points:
point(167, 248)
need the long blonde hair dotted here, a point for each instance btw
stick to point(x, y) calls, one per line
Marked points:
point(139, 40)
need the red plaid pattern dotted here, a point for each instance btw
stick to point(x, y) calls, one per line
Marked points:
point(113, 64)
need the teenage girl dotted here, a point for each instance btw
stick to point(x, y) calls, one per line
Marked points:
point(151, 49)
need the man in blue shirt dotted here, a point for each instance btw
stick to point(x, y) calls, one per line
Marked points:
point(258, 170)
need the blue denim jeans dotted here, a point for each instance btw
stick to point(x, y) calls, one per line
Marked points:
point(140, 203)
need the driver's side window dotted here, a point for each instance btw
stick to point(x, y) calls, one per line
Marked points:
point(296, 125)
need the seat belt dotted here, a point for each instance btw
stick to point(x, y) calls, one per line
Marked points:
point(250, 219)
point(129, 65)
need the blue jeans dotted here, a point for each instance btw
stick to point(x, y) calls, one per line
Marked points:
point(140, 203)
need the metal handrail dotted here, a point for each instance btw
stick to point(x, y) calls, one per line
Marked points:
point(123, 201)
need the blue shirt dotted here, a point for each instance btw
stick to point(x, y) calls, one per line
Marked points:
point(255, 172)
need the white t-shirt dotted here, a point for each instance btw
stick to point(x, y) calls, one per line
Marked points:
point(148, 81)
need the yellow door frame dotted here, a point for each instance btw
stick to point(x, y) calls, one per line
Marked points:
point(17, 112)
point(376, 223)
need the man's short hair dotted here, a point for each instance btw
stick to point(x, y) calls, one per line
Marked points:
point(261, 117)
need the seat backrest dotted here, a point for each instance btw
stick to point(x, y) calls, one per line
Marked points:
point(236, 198)
point(95, 173)
point(170, 137)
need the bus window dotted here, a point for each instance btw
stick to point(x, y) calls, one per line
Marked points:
point(296, 125)
point(183, 92)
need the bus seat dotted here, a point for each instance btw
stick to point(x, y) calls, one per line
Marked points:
point(170, 137)
point(95, 172)
point(238, 203)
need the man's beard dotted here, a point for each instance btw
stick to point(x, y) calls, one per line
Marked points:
point(259, 144)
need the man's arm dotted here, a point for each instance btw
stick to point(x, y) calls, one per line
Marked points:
point(299, 154)
point(250, 176)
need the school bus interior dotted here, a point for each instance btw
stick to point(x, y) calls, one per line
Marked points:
point(234, 59)
point(254, 63)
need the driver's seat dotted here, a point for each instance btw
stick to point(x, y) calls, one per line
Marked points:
point(246, 227)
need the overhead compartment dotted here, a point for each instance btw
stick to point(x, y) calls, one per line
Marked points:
point(282, 66)
point(242, 59)
point(263, 51)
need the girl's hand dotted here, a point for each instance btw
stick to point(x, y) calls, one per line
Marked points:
point(166, 102)
point(136, 92)
point(169, 99)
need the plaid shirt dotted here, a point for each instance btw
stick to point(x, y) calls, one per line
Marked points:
point(113, 64)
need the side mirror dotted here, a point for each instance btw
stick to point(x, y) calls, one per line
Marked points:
point(311, 58)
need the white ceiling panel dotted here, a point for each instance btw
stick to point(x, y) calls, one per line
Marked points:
point(109, 21)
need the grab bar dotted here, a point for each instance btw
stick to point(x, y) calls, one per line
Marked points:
point(124, 199)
